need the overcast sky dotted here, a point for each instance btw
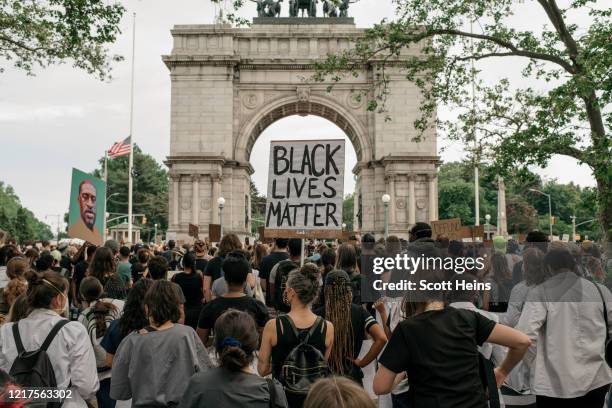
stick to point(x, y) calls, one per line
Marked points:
point(62, 118)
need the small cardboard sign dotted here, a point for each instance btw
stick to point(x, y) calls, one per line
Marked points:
point(214, 232)
point(194, 230)
point(449, 228)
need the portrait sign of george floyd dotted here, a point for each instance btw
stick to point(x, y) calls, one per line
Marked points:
point(305, 189)
point(87, 208)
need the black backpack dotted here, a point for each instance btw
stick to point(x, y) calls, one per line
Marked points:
point(33, 369)
point(280, 283)
point(305, 364)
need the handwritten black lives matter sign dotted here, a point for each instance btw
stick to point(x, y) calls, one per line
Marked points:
point(305, 186)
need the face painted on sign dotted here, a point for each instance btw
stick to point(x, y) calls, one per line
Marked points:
point(87, 203)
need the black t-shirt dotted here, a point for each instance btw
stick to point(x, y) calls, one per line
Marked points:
point(200, 264)
point(215, 308)
point(191, 284)
point(265, 267)
point(80, 269)
point(137, 271)
point(438, 351)
point(361, 321)
point(214, 268)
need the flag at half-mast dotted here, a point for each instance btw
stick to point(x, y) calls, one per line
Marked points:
point(120, 148)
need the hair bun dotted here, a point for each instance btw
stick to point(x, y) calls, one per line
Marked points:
point(310, 271)
point(234, 358)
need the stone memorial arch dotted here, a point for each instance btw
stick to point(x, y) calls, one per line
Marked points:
point(230, 84)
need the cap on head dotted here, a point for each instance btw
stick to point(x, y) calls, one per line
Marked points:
point(499, 244)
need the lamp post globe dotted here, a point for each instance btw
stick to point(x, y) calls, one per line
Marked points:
point(385, 199)
point(221, 203)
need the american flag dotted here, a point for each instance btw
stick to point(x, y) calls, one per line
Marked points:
point(120, 148)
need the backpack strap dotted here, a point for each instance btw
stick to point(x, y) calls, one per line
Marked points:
point(605, 311)
point(489, 383)
point(292, 325)
point(58, 326)
point(17, 337)
point(313, 329)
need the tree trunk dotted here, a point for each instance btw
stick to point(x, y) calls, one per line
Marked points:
point(604, 201)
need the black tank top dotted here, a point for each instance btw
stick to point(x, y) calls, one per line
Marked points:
point(286, 341)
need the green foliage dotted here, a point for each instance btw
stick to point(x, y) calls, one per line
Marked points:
point(348, 211)
point(525, 210)
point(258, 208)
point(46, 32)
point(150, 189)
point(18, 221)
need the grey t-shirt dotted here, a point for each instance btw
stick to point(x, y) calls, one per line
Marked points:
point(219, 288)
point(153, 368)
point(222, 388)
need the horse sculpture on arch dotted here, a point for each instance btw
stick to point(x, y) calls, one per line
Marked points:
point(308, 7)
point(268, 8)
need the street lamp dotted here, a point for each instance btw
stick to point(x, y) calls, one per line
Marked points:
point(343, 226)
point(574, 225)
point(487, 220)
point(155, 233)
point(385, 199)
point(221, 203)
point(549, 212)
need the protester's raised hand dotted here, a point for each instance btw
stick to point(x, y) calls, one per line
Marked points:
point(379, 305)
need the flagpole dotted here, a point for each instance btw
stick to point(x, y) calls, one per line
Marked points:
point(105, 189)
point(131, 161)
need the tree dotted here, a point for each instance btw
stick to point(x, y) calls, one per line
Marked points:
point(150, 189)
point(258, 207)
point(348, 211)
point(525, 211)
point(568, 113)
point(19, 222)
point(46, 32)
point(23, 228)
point(6, 224)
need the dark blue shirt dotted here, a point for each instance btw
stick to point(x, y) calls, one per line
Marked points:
point(112, 338)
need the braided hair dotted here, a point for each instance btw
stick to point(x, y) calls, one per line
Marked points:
point(338, 299)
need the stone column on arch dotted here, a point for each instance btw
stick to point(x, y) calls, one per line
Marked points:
point(432, 195)
point(195, 199)
point(411, 200)
point(175, 199)
point(391, 191)
point(356, 209)
point(216, 191)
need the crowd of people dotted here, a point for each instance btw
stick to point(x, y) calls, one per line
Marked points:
point(265, 325)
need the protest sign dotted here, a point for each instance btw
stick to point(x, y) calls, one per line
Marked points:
point(305, 189)
point(87, 208)
point(194, 230)
point(214, 232)
point(449, 228)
